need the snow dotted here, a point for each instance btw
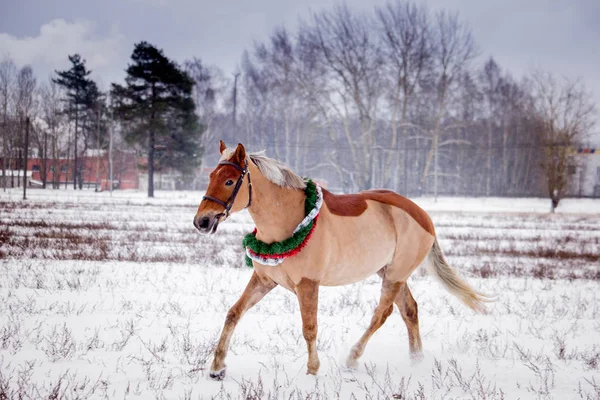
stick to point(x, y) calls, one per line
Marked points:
point(120, 297)
point(503, 204)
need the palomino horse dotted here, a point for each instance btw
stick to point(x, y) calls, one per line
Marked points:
point(357, 235)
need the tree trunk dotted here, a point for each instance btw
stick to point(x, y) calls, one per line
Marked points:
point(19, 164)
point(505, 179)
point(25, 159)
point(4, 140)
point(4, 157)
point(75, 169)
point(44, 156)
point(435, 166)
point(554, 202)
point(489, 160)
point(151, 140)
point(67, 160)
point(98, 150)
point(55, 177)
point(151, 145)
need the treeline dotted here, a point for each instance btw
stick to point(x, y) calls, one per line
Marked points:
point(152, 114)
point(396, 97)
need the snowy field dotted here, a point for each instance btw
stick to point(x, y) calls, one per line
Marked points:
point(120, 297)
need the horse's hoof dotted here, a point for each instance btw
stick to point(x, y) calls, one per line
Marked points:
point(217, 375)
point(351, 363)
point(313, 367)
point(417, 357)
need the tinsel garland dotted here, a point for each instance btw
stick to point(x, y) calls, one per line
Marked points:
point(275, 253)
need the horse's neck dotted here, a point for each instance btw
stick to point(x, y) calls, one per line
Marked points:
point(276, 211)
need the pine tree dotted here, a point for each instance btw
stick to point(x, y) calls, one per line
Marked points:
point(157, 110)
point(82, 95)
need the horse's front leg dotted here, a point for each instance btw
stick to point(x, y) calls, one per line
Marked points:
point(256, 289)
point(308, 297)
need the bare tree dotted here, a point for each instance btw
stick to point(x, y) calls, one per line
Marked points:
point(278, 64)
point(256, 91)
point(490, 80)
point(210, 86)
point(53, 116)
point(453, 49)
point(564, 114)
point(273, 83)
point(312, 86)
point(7, 80)
point(512, 118)
point(24, 99)
point(348, 48)
point(406, 45)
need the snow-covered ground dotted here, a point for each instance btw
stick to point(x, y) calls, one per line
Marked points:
point(120, 297)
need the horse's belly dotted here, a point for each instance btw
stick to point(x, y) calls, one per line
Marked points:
point(363, 247)
point(352, 271)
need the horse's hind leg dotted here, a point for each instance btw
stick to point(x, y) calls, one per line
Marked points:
point(410, 314)
point(389, 291)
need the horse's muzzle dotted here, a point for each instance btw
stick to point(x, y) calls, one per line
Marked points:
point(207, 224)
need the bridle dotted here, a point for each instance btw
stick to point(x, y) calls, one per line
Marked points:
point(229, 203)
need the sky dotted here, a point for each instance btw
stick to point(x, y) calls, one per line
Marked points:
point(561, 36)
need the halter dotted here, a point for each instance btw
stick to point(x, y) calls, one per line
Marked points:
point(229, 203)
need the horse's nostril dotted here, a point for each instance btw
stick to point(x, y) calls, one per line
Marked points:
point(204, 222)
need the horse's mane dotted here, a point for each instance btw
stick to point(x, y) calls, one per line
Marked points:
point(275, 171)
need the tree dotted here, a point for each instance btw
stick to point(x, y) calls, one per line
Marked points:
point(490, 80)
point(81, 93)
point(158, 111)
point(7, 80)
point(564, 114)
point(24, 100)
point(344, 44)
point(453, 49)
point(275, 109)
point(53, 115)
point(407, 47)
point(209, 91)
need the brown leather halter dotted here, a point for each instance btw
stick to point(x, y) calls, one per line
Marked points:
point(229, 203)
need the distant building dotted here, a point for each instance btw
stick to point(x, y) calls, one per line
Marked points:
point(94, 171)
point(587, 172)
point(14, 177)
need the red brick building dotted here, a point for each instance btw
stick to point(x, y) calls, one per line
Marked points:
point(95, 170)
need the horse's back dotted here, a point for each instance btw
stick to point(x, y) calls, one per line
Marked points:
point(401, 202)
point(374, 229)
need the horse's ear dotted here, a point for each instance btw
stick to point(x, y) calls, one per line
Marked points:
point(240, 154)
point(222, 146)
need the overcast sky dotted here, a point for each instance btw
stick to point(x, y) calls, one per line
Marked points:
point(562, 36)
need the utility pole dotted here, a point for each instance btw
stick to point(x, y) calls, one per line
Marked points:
point(68, 154)
point(44, 158)
point(236, 75)
point(25, 156)
point(75, 171)
point(110, 150)
point(98, 147)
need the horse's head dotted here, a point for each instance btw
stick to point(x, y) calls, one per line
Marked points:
point(229, 189)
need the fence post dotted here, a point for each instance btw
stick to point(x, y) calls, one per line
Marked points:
point(26, 155)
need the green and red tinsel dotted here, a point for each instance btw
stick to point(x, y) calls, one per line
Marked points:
point(275, 253)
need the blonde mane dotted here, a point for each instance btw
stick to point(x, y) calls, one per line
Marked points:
point(275, 171)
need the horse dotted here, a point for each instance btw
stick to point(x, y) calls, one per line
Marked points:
point(357, 235)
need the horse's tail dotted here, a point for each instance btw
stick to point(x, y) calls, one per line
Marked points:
point(453, 282)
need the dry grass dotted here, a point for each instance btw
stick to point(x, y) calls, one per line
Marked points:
point(127, 300)
point(520, 245)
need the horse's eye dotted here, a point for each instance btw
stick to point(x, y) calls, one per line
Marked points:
point(229, 182)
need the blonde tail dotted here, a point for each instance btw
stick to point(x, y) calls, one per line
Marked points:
point(449, 277)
